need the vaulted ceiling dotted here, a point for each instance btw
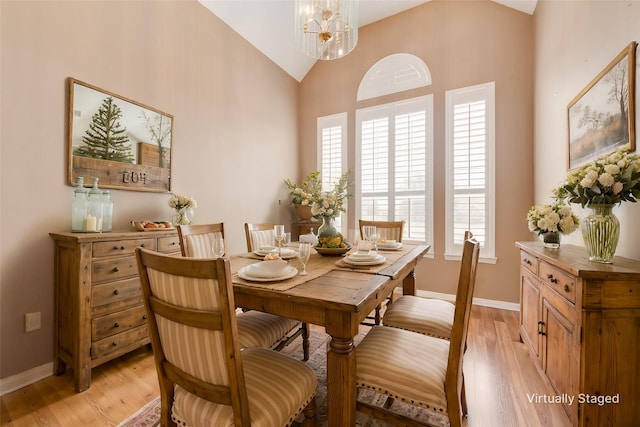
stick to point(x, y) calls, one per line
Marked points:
point(268, 24)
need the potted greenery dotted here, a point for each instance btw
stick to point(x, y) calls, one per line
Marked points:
point(304, 195)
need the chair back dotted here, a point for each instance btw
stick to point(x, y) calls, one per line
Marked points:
point(196, 241)
point(193, 330)
point(388, 230)
point(464, 299)
point(258, 235)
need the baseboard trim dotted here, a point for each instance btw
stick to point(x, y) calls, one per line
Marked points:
point(504, 305)
point(23, 379)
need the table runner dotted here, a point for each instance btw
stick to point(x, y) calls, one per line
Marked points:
point(317, 266)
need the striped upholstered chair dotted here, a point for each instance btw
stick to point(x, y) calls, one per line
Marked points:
point(418, 369)
point(258, 235)
point(387, 230)
point(205, 378)
point(429, 316)
point(255, 328)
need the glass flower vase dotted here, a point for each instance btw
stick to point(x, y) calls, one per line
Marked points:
point(327, 228)
point(600, 232)
point(182, 216)
point(551, 239)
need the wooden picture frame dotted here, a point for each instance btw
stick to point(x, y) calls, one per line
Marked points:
point(601, 118)
point(125, 144)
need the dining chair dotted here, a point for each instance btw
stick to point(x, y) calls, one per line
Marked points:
point(205, 377)
point(417, 369)
point(256, 328)
point(388, 230)
point(258, 235)
point(428, 316)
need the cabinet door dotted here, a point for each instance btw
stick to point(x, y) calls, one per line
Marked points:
point(530, 310)
point(559, 339)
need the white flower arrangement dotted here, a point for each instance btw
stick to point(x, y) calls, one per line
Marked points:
point(179, 202)
point(556, 217)
point(331, 203)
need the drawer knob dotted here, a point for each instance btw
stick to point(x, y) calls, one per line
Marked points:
point(566, 288)
point(116, 269)
point(142, 245)
point(144, 316)
point(114, 343)
point(116, 325)
point(116, 292)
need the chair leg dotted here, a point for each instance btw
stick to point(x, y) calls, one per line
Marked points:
point(305, 341)
point(377, 315)
point(310, 419)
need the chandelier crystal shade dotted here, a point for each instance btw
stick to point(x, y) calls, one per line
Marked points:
point(326, 29)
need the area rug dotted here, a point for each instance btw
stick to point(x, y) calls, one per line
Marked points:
point(149, 415)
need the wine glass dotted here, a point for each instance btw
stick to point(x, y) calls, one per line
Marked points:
point(375, 238)
point(278, 231)
point(304, 250)
point(368, 232)
point(217, 247)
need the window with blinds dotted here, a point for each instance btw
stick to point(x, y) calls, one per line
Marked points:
point(394, 165)
point(332, 131)
point(470, 168)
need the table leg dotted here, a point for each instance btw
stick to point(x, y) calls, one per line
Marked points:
point(341, 383)
point(409, 284)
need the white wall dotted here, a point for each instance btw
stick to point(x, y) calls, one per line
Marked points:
point(574, 41)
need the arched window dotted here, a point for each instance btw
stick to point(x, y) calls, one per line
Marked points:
point(393, 74)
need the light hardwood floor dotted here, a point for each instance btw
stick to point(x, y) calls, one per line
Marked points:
point(499, 375)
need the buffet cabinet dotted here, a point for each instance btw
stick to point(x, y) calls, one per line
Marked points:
point(581, 323)
point(99, 313)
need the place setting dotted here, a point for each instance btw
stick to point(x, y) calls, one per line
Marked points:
point(364, 255)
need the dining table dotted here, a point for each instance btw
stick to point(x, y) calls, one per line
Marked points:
point(334, 294)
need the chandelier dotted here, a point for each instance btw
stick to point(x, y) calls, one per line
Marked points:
point(326, 29)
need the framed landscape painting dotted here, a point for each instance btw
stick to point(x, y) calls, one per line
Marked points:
point(601, 118)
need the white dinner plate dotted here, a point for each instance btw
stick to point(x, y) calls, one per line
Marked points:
point(377, 260)
point(363, 256)
point(245, 273)
point(389, 247)
point(287, 253)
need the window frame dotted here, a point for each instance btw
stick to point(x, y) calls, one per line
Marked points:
point(330, 121)
point(390, 111)
point(486, 92)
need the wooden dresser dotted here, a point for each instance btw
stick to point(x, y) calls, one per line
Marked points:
point(581, 322)
point(99, 314)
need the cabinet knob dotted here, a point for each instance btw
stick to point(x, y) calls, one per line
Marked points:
point(144, 316)
point(116, 325)
point(142, 245)
point(114, 343)
point(116, 292)
point(115, 248)
point(116, 269)
point(566, 288)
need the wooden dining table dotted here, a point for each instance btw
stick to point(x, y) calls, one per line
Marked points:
point(337, 296)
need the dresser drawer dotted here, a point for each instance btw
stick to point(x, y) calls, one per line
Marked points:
point(558, 280)
point(118, 343)
point(122, 247)
point(113, 292)
point(113, 269)
point(529, 261)
point(114, 323)
point(169, 244)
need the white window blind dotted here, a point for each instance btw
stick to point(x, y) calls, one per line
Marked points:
point(332, 131)
point(394, 166)
point(470, 165)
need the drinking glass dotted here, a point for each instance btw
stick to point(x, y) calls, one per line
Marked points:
point(217, 247)
point(278, 231)
point(304, 251)
point(375, 238)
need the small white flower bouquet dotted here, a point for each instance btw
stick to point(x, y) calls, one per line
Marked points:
point(556, 217)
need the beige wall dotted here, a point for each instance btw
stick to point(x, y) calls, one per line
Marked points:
point(233, 110)
point(574, 42)
point(463, 43)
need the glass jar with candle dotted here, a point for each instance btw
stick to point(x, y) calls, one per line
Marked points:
point(107, 211)
point(79, 206)
point(93, 222)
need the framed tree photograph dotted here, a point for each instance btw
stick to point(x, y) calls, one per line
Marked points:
point(125, 144)
point(601, 118)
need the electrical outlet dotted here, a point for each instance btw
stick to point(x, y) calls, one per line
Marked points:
point(32, 321)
